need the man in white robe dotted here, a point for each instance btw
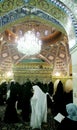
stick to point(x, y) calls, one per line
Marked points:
point(39, 108)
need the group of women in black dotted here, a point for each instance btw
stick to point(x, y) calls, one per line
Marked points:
point(18, 98)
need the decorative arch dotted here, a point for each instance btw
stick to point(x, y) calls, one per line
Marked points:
point(49, 11)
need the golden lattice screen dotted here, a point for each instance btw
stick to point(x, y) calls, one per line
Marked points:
point(41, 71)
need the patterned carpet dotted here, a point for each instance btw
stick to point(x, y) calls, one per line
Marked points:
point(51, 123)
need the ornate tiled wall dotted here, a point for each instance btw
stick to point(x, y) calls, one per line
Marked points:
point(51, 11)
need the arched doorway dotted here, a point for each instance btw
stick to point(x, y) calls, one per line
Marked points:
point(51, 12)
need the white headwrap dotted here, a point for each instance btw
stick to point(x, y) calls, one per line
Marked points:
point(39, 108)
point(68, 85)
point(8, 94)
point(72, 111)
point(12, 81)
point(56, 84)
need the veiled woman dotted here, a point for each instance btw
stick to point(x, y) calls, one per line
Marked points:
point(39, 108)
point(70, 121)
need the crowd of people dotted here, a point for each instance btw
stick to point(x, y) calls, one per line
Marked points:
point(35, 99)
